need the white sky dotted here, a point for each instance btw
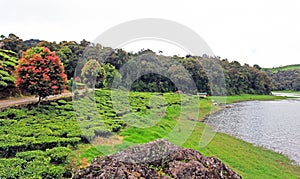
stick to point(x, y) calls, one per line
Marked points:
point(253, 31)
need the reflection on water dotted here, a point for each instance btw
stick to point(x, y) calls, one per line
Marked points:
point(272, 124)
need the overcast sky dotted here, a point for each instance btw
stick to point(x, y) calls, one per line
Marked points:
point(254, 31)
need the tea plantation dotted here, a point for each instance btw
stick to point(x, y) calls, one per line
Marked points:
point(35, 141)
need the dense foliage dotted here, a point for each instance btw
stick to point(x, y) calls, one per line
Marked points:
point(12, 43)
point(232, 79)
point(93, 74)
point(37, 164)
point(36, 137)
point(8, 61)
point(210, 74)
point(40, 72)
point(245, 79)
point(285, 78)
point(283, 68)
point(35, 142)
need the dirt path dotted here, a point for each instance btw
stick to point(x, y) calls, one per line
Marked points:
point(29, 99)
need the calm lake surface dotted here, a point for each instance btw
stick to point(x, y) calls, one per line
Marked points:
point(272, 124)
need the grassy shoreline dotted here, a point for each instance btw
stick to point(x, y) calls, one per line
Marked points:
point(248, 160)
point(247, 97)
point(287, 91)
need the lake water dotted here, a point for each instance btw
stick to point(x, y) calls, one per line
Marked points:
point(272, 124)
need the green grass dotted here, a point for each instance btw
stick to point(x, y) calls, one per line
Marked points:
point(150, 116)
point(287, 91)
point(283, 68)
point(245, 97)
point(248, 160)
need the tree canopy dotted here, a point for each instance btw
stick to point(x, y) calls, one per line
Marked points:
point(40, 72)
point(210, 74)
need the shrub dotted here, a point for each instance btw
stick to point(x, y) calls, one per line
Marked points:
point(58, 155)
point(13, 165)
point(30, 155)
point(13, 114)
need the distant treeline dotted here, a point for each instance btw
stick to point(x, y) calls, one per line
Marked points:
point(145, 70)
point(285, 78)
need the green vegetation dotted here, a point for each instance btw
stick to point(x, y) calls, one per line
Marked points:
point(37, 142)
point(8, 61)
point(209, 74)
point(154, 73)
point(285, 78)
point(283, 68)
point(37, 164)
point(93, 74)
point(32, 137)
point(245, 97)
point(287, 91)
point(250, 161)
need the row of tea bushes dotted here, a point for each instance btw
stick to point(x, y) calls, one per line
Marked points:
point(10, 145)
point(36, 164)
point(28, 134)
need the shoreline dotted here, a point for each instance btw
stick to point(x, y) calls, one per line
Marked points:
point(224, 106)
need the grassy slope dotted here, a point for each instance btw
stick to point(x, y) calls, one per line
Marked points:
point(245, 97)
point(283, 68)
point(248, 160)
point(287, 91)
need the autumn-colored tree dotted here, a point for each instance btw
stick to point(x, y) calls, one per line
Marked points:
point(40, 72)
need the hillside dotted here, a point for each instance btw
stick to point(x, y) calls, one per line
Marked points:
point(282, 68)
point(152, 72)
point(285, 77)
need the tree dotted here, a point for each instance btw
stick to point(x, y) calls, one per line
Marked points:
point(296, 84)
point(117, 58)
point(66, 56)
point(93, 74)
point(111, 75)
point(40, 72)
point(8, 61)
point(197, 72)
point(13, 43)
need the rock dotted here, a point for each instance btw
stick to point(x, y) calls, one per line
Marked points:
point(157, 159)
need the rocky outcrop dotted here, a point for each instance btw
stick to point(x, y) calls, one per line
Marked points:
point(157, 159)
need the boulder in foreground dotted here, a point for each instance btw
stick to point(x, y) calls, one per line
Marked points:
point(157, 159)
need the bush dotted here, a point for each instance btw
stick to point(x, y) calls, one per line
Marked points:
point(13, 114)
point(43, 169)
point(102, 131)
point(61, 102)
point(13, 165)
point(58, 155)
point(30, 155)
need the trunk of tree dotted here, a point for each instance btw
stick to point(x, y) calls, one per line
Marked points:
point(39, 102)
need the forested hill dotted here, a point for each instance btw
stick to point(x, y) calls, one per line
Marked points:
point(211, 74)
point(285, 77)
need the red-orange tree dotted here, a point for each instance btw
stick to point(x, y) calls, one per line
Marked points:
point(40, 72)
